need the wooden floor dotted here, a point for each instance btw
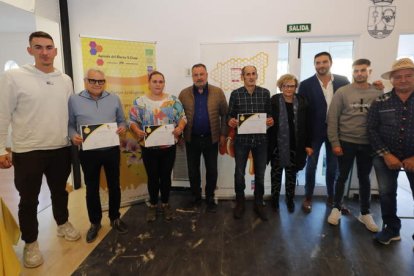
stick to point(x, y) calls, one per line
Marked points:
point(64, 258)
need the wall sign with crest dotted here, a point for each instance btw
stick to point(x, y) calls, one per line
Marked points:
point(381, 18)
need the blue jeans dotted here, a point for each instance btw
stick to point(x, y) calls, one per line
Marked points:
point(241, 154)
point(387, 184)
point(197, 147)
point(363, 155)
point(331, 168)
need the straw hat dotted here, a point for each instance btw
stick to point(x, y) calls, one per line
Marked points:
point(403, 63)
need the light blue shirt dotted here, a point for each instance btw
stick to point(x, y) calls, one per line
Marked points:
point(84, 110)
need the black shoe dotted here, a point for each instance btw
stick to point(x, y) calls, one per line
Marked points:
point(152, 213)
point(290, 205)
point(167, 211)
point(211, 206)
point(238, 211)
point(92, 232)
point(259, 209)
point(119, 226)
point(195, 203)
point(275, 204)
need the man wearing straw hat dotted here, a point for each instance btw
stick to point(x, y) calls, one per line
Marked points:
point(391, 133)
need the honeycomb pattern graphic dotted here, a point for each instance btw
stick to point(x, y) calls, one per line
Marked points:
point(227, 74)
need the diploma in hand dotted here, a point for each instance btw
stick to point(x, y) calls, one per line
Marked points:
point(251, 123)
point(159, 135)
point(99, 136)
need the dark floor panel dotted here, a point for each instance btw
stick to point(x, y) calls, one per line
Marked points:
point(199, 243)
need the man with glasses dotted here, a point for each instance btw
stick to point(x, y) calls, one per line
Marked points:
point(34, 101)
point(95, 106)
point(347, 133)
point(391, 133)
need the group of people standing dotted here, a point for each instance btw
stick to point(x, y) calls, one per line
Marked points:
point(358, 121)
point(352, 120)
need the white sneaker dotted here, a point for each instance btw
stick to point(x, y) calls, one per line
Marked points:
point(68, 232)
point(32, 257)
point(334, 217)
point(369, 222)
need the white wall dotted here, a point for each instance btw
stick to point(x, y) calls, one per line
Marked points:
point(16, 24)
point(48, 9)
point(52, 28)
point(13, 47)
point(180, 26)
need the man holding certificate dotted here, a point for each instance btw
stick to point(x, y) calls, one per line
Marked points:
point(157, 119)
point(250, 113)
point(96, 118)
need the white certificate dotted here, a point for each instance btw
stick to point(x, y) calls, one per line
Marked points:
point(161, 135)
point(99, 136)
point(251, 123)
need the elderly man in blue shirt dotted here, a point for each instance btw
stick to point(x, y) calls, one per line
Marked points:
point(94, 106)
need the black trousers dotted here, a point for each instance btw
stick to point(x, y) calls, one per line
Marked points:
point(363, 155)
point(159, 163)
point(92, 161)
point(197, 147)
point(276, 176)
point(29, 168)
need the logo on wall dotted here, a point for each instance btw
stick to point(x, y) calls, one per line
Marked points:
point(94, 50)
point(381, 18)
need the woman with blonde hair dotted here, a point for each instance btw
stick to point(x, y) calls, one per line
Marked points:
point(289, 139)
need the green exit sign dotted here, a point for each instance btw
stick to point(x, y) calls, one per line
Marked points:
point(298, 28)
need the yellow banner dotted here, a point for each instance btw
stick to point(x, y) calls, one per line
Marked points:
point(126, 65)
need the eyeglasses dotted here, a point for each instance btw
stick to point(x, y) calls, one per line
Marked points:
point(93, 81)
point(289, 86)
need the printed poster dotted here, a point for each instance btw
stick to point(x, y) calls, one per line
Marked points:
point(126, 65)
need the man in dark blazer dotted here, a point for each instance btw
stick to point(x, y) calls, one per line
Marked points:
point(318, 91)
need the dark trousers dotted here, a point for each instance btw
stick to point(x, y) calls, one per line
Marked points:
point(29, 168)
point(259, 152)
point(159, 163)
point(363, 155)
point(92, 161)
point(276, 176)
point(331, 168)
point(197, 147)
